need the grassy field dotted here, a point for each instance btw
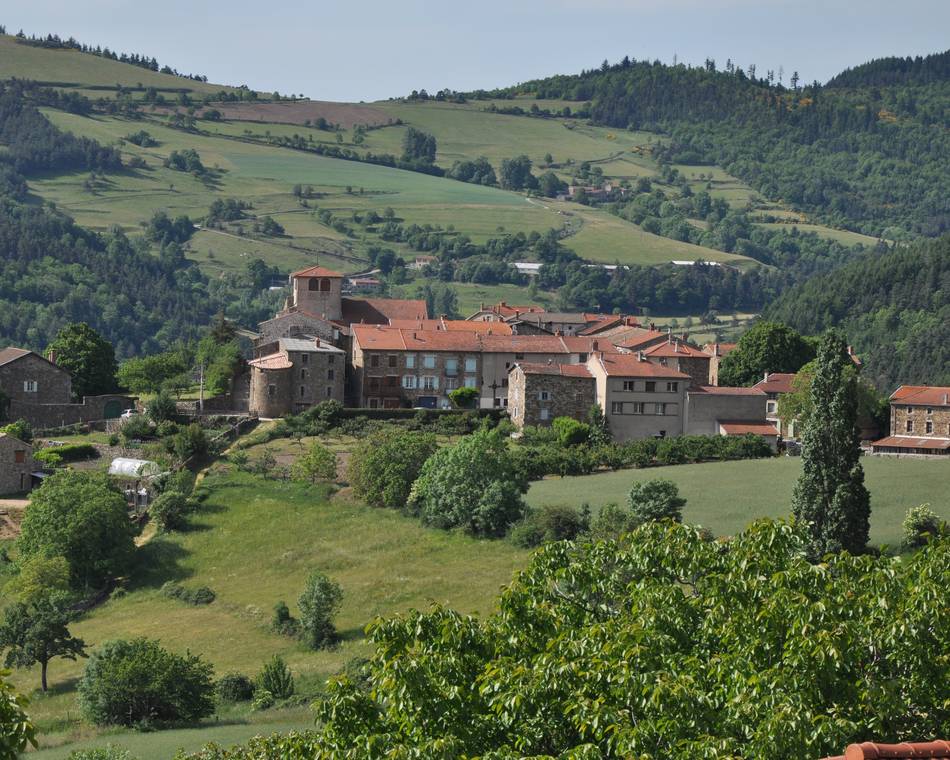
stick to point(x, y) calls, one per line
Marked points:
point(254, 543)
point(845, 237)
point(727, 496)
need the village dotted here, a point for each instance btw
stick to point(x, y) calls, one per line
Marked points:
point(534, 365)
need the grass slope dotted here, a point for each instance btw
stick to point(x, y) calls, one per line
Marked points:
point(727, 496)
point(254, 543)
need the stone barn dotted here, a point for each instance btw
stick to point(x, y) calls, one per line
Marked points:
point(16, 465)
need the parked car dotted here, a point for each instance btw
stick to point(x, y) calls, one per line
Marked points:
point(129, 413)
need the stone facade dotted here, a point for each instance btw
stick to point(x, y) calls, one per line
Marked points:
point(294, 374)
point(28, 377)
point(16, 465)
point(318, 291)
point(920, 422)
point(91, 409)
point(295, 324)
point(539, 393)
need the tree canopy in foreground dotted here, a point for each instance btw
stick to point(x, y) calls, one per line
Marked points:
point(662, 644)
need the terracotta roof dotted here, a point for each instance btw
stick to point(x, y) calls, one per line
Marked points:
point(904, 751)
point(630, 365)
point(723, 390)
point(378, 311)
point(675, 349)
point(719, 349)
point(585, 344)
point(452, 325)
point(272, 361)
point(316, 272)
point(912, 442)
point(602, 322)
point(776, 382)
point(639, 337)
point(10, 354)
point(564, 370)
point(390, 338)
point(922, 395)
point(745, 428)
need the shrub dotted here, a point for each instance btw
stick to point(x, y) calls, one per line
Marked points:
point(611, 522)
point(318, 463)
point(656, 499)
point(263, 700)
point(234, 687)
point(472, 485)
point(138, 682)
point(109, 752)
point(136, 428)
point(72, 452)
point(191, 442)
point(550, 523)
point(464, 398)
point(920, 526)
point(570, 432)
point(197, 597)
point(264, 464)
point(20, 429)
point(161, 408)
point(239, 459)
point(384, 466)
point(166, 429)
point(283, 622)
point(182, 481)
point(114, 439)
point(170, 510)
point(319, 602)
point(275, 677)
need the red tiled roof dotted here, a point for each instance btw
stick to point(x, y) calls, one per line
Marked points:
point(912, 442)
point(745, 428)
point(378, 311)
point(452, 325)
point(390, 338)
point(675, 349)
point(10, 354)
point(565, 370)
point(585, 344)
point(316, 272)
point(903, 751)
point(639, 337)
point(272, 361)
point(630, 365)
point(776, 382)
point(723, 390)
point(922, 395)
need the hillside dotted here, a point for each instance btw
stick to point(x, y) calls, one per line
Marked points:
point(895, 308)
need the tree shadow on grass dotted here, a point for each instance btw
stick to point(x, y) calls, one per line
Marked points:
point(158, 562)
point(355, 633)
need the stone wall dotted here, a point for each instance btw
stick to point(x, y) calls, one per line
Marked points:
point(92, 409)
point(918, 416)
point(53, 384)
point(294, 324)
point(270, 391)
point(15, 476)
point(379, 377)
point(536, 399)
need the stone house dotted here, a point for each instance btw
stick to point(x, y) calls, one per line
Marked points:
point(16, 465)
point(26, 376)
point(293, 374)
point(682, 357)
point(920, 422)
point(538, 393)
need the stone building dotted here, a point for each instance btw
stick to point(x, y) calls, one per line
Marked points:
point(538, 393)
point(682, 357)
point(293, 374)
point(26, 376)
point(920, 422)
point(16, 465)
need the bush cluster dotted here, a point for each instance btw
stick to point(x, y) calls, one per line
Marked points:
point(234, 687)
point(197, 597)
point(54, 456)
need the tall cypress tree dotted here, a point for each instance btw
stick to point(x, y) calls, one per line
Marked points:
point(830, 493)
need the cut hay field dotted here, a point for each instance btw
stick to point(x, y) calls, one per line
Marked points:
point(845, 237)
point(254, 542)
point(727, 496)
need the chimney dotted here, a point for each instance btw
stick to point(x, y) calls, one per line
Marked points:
point(652, 326)
point(640, 356)
point(318, 343)
point(676, 347)
point(414, 335)
point(946, 399)
point(558, 333)
point(766, 378)
point(51, 356)
point(594, 345)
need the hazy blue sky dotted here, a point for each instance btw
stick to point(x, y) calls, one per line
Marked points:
point(372, 49)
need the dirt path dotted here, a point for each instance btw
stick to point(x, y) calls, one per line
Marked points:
point(11, 515)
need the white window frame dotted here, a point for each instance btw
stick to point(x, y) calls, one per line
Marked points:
point(31, 386)
point(428, 361)
point(471, 381)
point(430, 383)
point(410, 361)
point(545, 413)
point(544, 395)
point(629, 386)
point(673, 386)
point(451, 366)
point(471, 364)
point(410, 382)
point(451, 383)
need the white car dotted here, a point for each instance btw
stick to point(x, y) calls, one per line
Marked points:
point(129, 413)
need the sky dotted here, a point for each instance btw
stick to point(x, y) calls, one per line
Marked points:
point(374, 49)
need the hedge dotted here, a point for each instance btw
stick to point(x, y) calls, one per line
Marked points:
point(54, 456)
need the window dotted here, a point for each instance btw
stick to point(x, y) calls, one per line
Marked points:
point(330, 374)
point(374, 403)
point(651, 386)
point(374, 360)
point(330, 358)
point(393, 359)
point(628, 385)
point(616, 407)
point(19, 456)
point(910, 426)
point(410, 361)
point(303, 374)
point(374, 383)
point(324, 286)
point(428, 361)
point(409, 382)
point(430, 383)
point(771, 407)
point(545, 414)
point(910, 409)
point(329, 391)
point(519, 357)
point(929, 426)
point(304, 358)
point(271, 391)
point(303, 391)
point(30, 386)
point(638, 407)
point(470, 381)
point(582, 358)
point(451, 366)
point(451, 383)
point(544, 395)
point(313, 284)
point(496, 401)
point(471, 363)
point(659, 409)
point(392, 381)
point(930, 411)
point(672, 387)
point(504, 382)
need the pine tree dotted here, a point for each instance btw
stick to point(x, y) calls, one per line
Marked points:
point(830, 494)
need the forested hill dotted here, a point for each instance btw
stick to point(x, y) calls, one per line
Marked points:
point(895, 308)
point(883, 72)
point(873, 158)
